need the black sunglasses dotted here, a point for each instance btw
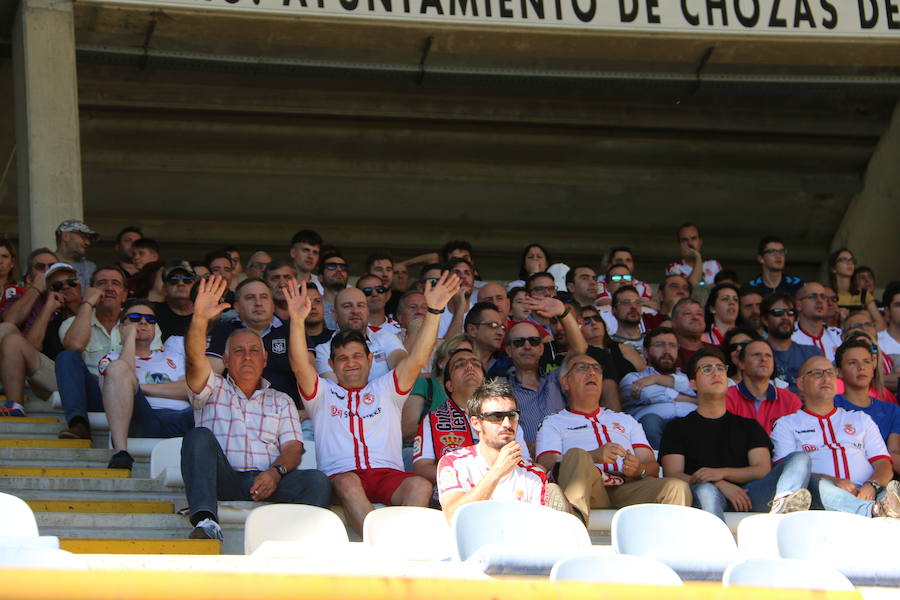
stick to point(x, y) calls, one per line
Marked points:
point(780, 312)
point(57, 286)
point(592, 319)
point(520, 341)
point(335, 267)
point(499, 415)
point(368, 291)
point(173, 279)
point(136, 318)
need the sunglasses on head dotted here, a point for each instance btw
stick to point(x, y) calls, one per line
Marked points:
point(186, 278)
point(57, 286)
point(618, 278)
point(136, 318)
point(498, 416)
point(379, 289)
point(518, 342)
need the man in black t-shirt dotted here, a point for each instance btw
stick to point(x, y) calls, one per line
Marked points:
point(174, 315)
point(727, 459)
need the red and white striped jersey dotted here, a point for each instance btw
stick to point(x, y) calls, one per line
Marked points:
point(389, 325)
point(710, 269)
point(357, 428)
point(570, 429)
point(828, 342)
point(842, 444)
point(462, 469)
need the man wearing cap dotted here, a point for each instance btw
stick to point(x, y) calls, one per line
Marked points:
point(29, 355)
point(173, 316)
point(73, 238)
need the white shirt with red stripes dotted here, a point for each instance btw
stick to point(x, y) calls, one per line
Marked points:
point(642, 288)
point(842, 444)
point(357, 428)
point(462, 469)
point(710, 269)
point(389, 325)
point(570, 429)
point(827, 342)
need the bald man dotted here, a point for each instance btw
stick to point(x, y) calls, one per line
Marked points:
point(811, 302)
point(351, 312)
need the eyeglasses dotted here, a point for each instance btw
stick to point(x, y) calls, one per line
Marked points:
point(499, 416)
point(39, 266)
point(335, 267)
point(592, 319)
point(57, 286)
point(780, 251)
point(492, 324)
point(820, 373)
point(432, 280)
point(864, 325)
point(543, 288)
point(709, 369)
point(586, 367)
point(628, 302)
point(378, 289)
point(781, 312)
point(176, 279)
point(820, 296)
point(258, 265)
point(136, 318)
point(618, 278)
point(518, 342)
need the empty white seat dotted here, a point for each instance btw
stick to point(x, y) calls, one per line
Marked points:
point(785, 573)
point(293, 523)
point(16, 518)
point(38, 556)
point(757, 536)
point(410, 532)
point(614, 568)
point(165, 455)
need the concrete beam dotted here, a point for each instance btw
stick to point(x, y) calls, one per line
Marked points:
point(871, 225)
point(47, 139)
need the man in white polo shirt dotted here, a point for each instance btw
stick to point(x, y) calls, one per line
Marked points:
point(851, 466)
point(812, 302)
point(357, 419)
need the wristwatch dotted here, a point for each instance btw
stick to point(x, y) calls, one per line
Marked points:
point(280, 468)
point(878, 487)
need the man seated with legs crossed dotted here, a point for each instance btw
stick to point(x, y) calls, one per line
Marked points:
point(247, 443)
point(725, 458)
point(144, 393)
point(357, 421)
point(606, 459)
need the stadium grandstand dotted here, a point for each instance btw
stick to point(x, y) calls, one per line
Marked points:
point(541, 298)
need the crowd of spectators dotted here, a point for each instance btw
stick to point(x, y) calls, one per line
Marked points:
point(414, 377)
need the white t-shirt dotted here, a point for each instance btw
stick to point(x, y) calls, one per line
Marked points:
point(381, 344)
point(842, 444)
point(159, 367)
point(570, 429)
point(357, 428)
point(888, 344)
point(710, 269)
point(462, 469)
point(389, 325)
point(828, 342)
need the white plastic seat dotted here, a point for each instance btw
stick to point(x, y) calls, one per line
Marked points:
point(785, 573)
point(293, 523)
point(165, 455)
point(697, 544)
point(410, 532)
point(614, 568)
point(757, 536)
point(38, 556)
point(16, 518)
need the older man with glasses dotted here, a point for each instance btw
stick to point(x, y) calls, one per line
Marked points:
point(811, 302)
point(606, 459)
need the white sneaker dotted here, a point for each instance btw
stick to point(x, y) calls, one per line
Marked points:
point(792, 502)
point(207, 529)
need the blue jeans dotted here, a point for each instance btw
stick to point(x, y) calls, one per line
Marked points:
point(653, 425)
point(787, 476)
point(149, 422)
point(208, 477)
point(78, 388)
point(827, 496)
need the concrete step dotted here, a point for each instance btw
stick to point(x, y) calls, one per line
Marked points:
point(139, 546)
point(29, 419)
point(22, 428)
point(64, 472)
point(86, 484)
point(176, 497)
point(30, 442)
point(53, 457)
point(101, 506)
point(140, 525)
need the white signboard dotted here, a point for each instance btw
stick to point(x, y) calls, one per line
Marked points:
point(819, 18)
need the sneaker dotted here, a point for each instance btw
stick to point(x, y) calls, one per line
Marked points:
point(889, 505)
point(793, 502)
point(207, 529)
point(12, 409)
point(78, 431)
point(121, 460)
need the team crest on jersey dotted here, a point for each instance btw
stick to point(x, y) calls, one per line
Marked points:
point(618, 427)
point(448, 477)
point(849, 429)
point(809, 448)
point(171, 363)
point(101, 366)
point(368, 399)
point(279, 346)
point(451, 442)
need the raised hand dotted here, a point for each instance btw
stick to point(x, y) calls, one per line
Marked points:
point(92, 296)
point(209, 292)
point(298, 303)
point(438, 295)
point(39, 281)
point(545, 307)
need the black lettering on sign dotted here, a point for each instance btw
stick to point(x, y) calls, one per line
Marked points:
point(288, 3)
point(774, 19)
point(689, 16)
point(585, 16)
point(828, 7)
point(652, 15)
point(463, 6)
point(558, 5)
point(435, 4)
point(718, 5)
point(802, 12)
point(866, 21)
point(349, 4)
point(747, 20)
point(891, 9)
point(536, 5)
point(505, 11)
point(628, 15)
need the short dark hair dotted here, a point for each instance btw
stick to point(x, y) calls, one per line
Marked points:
point(211, 256)
point(307, 236)
point(245, 283)
point(46, 250)
point(429, 267)
point(445, 376)
point(684, 226)
point(765, 307)
point(622, 290)
point(534, 276)
point(746, 290)
point(278, 263)
point(475, 313)
point(456, 260)
point(115, 268)
point(363, 276)
point(765, 241)
point(342, 338)
point(329, 256)
point(128, 229)
point(489, 388)
point(853, 342)
point(131, 303)
point(570, 274)
point(455, 245)
point(725, 276)
point(406, 295)
point(655, 333)
point(379, 255)
point(892, 289)
point(713, 298)
point(614, 249)
point(690, 285)
point(704, 352)
point(148, 243)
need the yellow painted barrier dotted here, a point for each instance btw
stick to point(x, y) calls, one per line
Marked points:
point(43, 443)
point(102, 506)
point(139, 546)
point(29, 420)
point(139, 585)
point(64, 472)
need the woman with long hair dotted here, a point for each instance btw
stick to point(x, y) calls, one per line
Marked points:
point(535, 259)
point(9, 271)
point(841, 270)
point(721, 313)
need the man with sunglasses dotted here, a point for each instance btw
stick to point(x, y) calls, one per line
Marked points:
point(497, 467)
point(22, 304)
point(620, 271)
point(851, 465)
point(173, 315)
point(485, 328)
point(777, 316)
point(811, 330)
point(726, 458)
point(377, 295)
point(144, 392)
point(606, 460)
point(257, 264)
point(333, 274)
point(28, 354)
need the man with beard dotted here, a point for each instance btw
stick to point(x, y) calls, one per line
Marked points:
point(124, 240)
point(73, 239)
point(778, 316)
point(626, 307)
point(661, 392)
point(688, 324)
point(581, 281)
point(755, 397)
point(812, 305)
point(749, 302)
point(485, 328)
point(333, 273)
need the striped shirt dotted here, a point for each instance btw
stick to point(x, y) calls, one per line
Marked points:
point(251, 431)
